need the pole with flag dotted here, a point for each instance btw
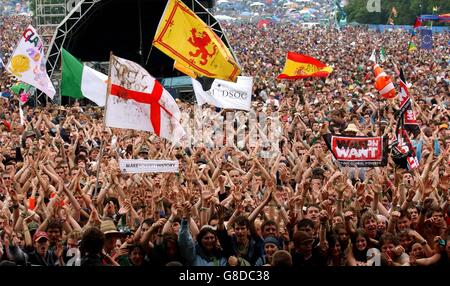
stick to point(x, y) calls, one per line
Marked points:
point(411, 46)
point(100, 155)
point(80, 81)
point(373, 56)
point(382, 55)
point(27, 62)
point(2, 65)
point(184, 37)
point(138, 101)
point(300, 66)
point(435, 8)
point(417, 23)
point(393, 13)
point(426, 36)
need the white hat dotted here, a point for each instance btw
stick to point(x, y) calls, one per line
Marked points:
point(352, 127)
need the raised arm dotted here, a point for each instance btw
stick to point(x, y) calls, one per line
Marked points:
point(185, 240)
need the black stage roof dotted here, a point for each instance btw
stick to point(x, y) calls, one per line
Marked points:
point(115, 25)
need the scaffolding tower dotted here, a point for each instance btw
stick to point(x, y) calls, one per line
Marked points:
point(48, 15)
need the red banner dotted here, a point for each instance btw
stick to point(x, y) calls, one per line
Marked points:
point(358, 151)
point(406, 110)
point(404, 153)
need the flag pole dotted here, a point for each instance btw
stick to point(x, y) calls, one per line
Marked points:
point(149, 53)
point(100, 155)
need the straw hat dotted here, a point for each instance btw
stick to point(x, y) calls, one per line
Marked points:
point(352, 128)
point(108, 227)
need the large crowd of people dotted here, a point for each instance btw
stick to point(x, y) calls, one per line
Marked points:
point(230, 206)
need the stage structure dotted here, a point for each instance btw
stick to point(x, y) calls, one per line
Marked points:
point(48, 15)
point(94, 28)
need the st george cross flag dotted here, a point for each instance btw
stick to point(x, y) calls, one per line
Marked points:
point(27, 62)
point(138, 101)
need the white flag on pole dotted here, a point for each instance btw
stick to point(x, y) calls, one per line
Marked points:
point(373, 57)
point(22, 116)
point(226, 94)
point(28, 61)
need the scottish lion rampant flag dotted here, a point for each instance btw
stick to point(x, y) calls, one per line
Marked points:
point(184, 37)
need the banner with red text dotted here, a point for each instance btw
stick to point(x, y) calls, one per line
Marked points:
point(358, 151)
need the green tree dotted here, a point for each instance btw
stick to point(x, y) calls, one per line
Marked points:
point(407, 11)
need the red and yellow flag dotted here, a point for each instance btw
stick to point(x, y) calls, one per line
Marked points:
point(301, 66)
point(184, 37)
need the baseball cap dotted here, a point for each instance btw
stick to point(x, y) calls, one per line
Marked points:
point(40, 234)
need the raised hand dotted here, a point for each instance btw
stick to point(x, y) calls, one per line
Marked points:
point(323, 216)
point(410, 195)
point(94, 218)
point(159, 223)
point(222, 179)
point(348, 215)
point(395, 215)
point(125, 209)
point(220, 212)
point(206, 194)
point(341, 184)
point(186, 210)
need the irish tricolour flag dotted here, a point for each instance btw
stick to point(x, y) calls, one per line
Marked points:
point(80, 81)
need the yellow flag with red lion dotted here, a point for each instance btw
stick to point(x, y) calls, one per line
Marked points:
point(184, 37)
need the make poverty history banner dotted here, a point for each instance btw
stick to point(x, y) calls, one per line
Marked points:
point(358, 151)
point(139, 166)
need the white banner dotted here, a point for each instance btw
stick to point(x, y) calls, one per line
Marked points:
point(226, 94)
point(138, 166)
point(27, 62)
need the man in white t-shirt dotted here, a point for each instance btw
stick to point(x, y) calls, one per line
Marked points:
point(272, 100)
